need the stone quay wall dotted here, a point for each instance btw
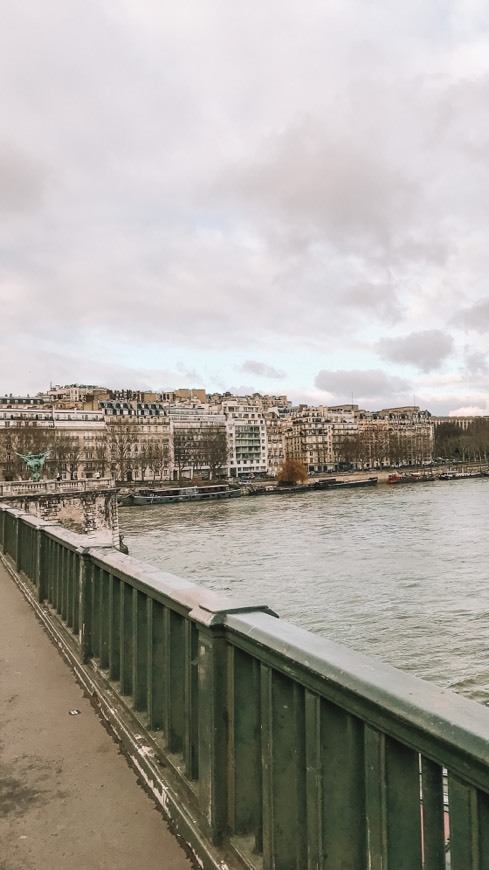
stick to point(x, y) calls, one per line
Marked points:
point(87, 512)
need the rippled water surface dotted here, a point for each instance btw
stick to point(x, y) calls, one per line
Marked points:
point(397, 572)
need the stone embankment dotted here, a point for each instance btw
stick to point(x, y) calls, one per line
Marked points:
point(381, 474)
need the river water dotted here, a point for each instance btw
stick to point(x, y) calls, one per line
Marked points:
point(396, 572)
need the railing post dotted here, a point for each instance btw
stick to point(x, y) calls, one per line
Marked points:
point(2, 528)
point(42, 566)
point(40, 573)
point(213, 736)
point(16, 553)
point(85, 604)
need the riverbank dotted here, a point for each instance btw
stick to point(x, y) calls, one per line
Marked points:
point(383, 474)
point(334, 481)
point(338, 480)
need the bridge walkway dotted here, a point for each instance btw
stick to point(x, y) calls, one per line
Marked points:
point(68, 799)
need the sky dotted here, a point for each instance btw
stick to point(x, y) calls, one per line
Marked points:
point(265, 196)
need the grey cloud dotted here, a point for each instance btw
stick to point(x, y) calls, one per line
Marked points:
point(362, 385)
point(425, 350)
point(241, 390)
point(263, 370)
point(320, 178)
point(22, 181)
point(475, 316)
point(374, 298)
point(59, 363)
point(191, 375)
point(476, 362)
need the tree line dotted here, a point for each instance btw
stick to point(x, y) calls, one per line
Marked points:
point(120, 451)
point(469, 445)
point(375, 446)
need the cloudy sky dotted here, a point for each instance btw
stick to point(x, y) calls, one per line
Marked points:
point(257, 195)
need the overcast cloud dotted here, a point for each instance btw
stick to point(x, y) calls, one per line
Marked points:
point(293, 191)
point(260, 369)
point(426, 351)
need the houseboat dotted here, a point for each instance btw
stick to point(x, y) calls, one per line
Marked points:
point(183, 493)
point(410, 477)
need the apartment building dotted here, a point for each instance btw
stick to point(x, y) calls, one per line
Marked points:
point(199, 445)
point(138, 437)
point(309, 438)
point(246, 437)
point(276, 426)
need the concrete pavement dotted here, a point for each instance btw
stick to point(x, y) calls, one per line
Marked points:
point(68, 799)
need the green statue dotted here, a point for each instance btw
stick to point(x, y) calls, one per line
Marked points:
point(35, 462)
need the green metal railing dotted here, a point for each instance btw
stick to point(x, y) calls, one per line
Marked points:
point(291, 750)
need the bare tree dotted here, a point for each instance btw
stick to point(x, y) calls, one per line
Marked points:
point(379, 445)
point(183, 449)
point(215, 449)
point(101, 451)
point(346, 449)
point(8, 458)
point(365, 446)
point(447, 438)
point(155, 456)
point(122, 436)
point(141, 459)
point(198, 457)
point(396, 447)
point(67, 453)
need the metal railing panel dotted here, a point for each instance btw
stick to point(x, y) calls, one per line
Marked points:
point(11, 526)
point(283, 766)
point(483, 830)
point(75, 593)
point(191, 702)
point(469, 821)
point(114, 628)
point(175, 667)
point(27, 550)
point(433, 815)
point(404, 844)
point(140, 651)
point(157, 679)
point(63, 581)
point(438, 723)
point(104, 618)
point(126, 638)
point(244, 745)
point(337, 759)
